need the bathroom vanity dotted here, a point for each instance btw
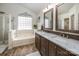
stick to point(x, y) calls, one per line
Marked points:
point(50, 44)
point(64, 39)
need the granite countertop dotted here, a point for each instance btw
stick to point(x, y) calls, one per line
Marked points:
point(71, 45)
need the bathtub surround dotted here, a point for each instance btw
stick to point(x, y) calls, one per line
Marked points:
point(21, 37)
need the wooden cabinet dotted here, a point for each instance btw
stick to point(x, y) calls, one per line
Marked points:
point(37, 41)
point(48, 48)
point(61, 51)
point(52, 49)
point(44, 46)
point(71, 54)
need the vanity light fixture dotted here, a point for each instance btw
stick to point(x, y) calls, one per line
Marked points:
point(50, 6)
point(44, 10)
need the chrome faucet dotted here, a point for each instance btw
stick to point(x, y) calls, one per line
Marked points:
point(67, 36)
point(63, 35)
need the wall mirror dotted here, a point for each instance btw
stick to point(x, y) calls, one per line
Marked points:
point(67, 17)
point(48, 20)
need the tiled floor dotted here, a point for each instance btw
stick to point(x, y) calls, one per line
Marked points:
point(3, 47)
point(20, 51)
point(34, 54)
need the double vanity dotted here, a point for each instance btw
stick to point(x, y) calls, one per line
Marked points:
point(60, 31)
point(50, 44)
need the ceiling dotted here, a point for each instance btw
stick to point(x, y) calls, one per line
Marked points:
point(35, 7)
point(65, 8)
point(25, 14)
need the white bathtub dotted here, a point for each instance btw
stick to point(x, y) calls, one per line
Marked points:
point(22, 37)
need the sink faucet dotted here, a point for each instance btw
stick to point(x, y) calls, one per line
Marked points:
point(67, 36)
point(63, 35)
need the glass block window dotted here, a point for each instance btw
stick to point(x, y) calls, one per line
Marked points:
point(24, 23)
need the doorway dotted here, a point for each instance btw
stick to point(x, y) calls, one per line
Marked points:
point(66, 23)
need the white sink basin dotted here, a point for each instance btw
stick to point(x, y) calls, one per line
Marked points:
point(61, 40)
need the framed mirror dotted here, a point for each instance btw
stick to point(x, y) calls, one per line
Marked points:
point(48, 20)
point(67, 17)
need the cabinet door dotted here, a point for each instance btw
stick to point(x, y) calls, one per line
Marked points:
point(52, 49)
point(37, 41)
point(61, 52)
point(44, 47)
point(38, 44)
point(36, 38)
point(70, 54)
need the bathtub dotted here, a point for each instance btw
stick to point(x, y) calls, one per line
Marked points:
point(22, 37)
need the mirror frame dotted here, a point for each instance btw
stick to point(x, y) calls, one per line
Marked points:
point(63, 30)
point(51, 10)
